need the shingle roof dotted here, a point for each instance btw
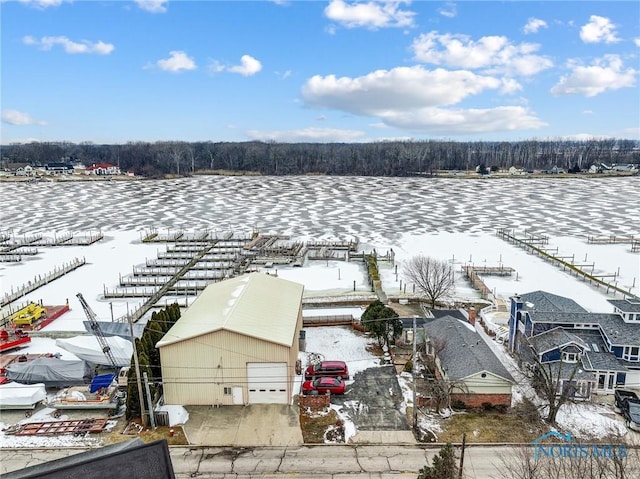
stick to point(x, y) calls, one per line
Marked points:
point(465, 353)
point(603, 361)
point(554, 338)
point(256, 305)
point(565, 370)
point(541, 301)
point(626, 305)
point(612, 325)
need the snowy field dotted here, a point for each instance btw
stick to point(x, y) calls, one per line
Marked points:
point(450, 219)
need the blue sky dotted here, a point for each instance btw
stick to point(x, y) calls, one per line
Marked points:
point(318, 71)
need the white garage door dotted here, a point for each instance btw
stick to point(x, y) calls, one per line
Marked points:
point(267, 383)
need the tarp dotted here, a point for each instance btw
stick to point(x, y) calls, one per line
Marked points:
point(21, 396)
point(117, 329)
point(101, 381)
point(52, 372)
point(89, 349)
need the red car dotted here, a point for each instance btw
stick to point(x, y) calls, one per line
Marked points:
point(336, 369)
point(323, 385)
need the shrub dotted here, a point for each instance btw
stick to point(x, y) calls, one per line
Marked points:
point(408, 367)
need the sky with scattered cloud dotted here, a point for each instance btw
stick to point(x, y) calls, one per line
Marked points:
point(322, 71)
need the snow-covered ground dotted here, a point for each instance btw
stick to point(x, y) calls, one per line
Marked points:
point(449, 219)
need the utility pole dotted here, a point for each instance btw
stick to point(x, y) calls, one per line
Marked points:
point(151, 416)
point(415, 406)
point(138, 379)
point(464, 441)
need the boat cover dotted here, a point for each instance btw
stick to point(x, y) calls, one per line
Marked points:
point(17, 396)
point(89, 349)
point(117, 329)
point(52, 372)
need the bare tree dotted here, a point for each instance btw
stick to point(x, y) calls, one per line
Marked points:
point(433, 277)
point(439, 388)
point(554, 389)
point(576, 461)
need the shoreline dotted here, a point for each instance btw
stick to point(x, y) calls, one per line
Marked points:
point(461, 175)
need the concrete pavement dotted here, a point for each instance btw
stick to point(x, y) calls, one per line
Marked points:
point(254, 425)
point(312, 462)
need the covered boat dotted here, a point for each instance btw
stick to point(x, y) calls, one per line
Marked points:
point(21, 396)
point(102, 393)
point(52, 372)
point(89, 349)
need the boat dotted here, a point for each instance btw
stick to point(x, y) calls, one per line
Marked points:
point(102, 393)
point(89, 348)
point(12, 339)
point(21, 396)
point(50, 371)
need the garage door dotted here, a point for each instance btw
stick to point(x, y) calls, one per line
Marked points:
point(267, 383)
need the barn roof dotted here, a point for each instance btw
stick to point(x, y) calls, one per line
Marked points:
point(256, 305)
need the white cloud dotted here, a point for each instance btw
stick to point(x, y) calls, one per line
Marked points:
point(398, 88)
point(599, 29)
point(15, 117)
point(249, 66)
point(533, 25)
point(509, 85)
point(177, 61)
point(637, 41)
point(372, 14)
point(449, 10)
point(463, 121)
point(84, 46)
point(412, 98)
point(153, 6)
point(307, 135)
point(44, 3)
point(587, 112)
point(606, 73)
point(495, 54)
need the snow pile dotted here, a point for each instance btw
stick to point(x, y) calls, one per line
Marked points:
point(178, 415)
point(588, 420)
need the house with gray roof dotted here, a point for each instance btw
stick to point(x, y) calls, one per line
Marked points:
point(462, 356)
point(604, 348)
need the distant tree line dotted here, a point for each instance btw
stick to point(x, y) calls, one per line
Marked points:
point(389, 158)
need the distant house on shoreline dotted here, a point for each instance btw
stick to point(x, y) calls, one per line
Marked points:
point(101, 169)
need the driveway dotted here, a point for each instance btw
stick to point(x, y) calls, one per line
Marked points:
point(374, 401)
point(254, 425)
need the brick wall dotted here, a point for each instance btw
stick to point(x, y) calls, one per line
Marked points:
point(472, 400)
point(321, 401)
point(476, 400)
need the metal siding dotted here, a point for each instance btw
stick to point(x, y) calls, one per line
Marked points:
point(191, 368)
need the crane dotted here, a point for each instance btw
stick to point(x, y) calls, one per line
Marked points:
point(95, 326)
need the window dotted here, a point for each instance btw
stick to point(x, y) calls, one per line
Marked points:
point(569, 357)
point(227, 391)
point(631, 353)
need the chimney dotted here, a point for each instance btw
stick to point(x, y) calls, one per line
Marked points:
point(472, 315)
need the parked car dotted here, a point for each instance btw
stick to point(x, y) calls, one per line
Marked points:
point(631, 413)
point(621, 396)
point(336, 369)
point(323, 385)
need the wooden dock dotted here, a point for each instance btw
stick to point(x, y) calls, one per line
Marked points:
point(569, 266)
point(472, 273)
point(41, 281)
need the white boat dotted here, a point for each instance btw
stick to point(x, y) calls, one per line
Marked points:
point(21, 396)
point(89, 349)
